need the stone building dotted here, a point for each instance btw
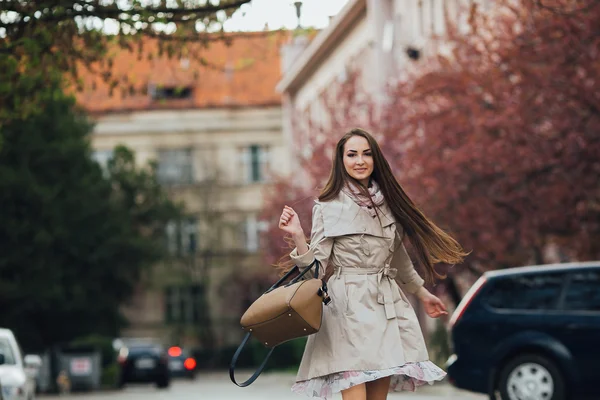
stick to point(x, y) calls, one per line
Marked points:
point(215, 132)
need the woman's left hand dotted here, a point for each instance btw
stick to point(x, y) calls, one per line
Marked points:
point(434, 307)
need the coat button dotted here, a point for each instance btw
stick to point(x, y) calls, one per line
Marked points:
point(364, 229)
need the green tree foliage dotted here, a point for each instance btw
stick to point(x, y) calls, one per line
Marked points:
point(74, 239)
point(42, 38)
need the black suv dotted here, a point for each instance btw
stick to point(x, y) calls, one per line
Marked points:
point(530, 333)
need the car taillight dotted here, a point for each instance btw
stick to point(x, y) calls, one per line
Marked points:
point(189, 363)
point(175, 351)
point(466, 300)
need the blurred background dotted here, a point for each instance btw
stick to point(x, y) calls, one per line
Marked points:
point(147, 148)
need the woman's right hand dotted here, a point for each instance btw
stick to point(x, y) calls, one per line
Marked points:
point(290, 223)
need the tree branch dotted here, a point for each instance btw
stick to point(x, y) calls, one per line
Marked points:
point(114, 12)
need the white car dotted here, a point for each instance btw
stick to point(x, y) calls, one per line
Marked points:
point(17, 375)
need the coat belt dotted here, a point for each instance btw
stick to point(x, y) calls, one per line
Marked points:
point(385, 284)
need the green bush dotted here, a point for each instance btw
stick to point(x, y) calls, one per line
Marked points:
point(223, 357)
point(439, 345)
point(285, 356)
point(103, 344)
point(110, 368)
point(205, 358)
point(110, 375)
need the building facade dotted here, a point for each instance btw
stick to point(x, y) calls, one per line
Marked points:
point(381, 39)
point(215, 134)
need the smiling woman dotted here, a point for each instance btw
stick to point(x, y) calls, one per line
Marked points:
point(370, 340)
point(358, 159)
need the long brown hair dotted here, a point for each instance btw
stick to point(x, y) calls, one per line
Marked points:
point(431, 243)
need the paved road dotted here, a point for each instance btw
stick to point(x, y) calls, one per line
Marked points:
point(216, 386)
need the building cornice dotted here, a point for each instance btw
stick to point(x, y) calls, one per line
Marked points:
point(165, 108)
point(321, 46)
point(148, 122)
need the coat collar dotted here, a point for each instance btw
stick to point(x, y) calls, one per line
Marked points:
point(342, 216)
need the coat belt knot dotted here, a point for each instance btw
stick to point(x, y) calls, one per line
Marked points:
point(385, 296)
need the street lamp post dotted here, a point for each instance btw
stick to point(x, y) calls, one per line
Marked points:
point(298, 5)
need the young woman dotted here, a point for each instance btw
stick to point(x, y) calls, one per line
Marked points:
point(370, 340)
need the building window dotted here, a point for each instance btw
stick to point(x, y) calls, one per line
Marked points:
point(182, 237)
point(102, 157)
point(170, 92)
point(175, 166)
point(185, 304)
point(251, 231)
point(255, 163)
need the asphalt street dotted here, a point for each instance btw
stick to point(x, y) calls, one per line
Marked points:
point(216, 386)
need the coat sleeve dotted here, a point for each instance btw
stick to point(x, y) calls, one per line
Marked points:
point(407, 277)
point(320, 246)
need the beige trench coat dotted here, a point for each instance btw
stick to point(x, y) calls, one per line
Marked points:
point(369, 324)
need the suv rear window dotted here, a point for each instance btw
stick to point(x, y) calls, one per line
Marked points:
point(583, 293)
point(527, 292)
point(144, 349)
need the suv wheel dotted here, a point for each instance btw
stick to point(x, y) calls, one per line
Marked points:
point(531, 377)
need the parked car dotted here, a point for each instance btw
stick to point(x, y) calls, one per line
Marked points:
point(181, 364)
point(144, 363)
point(17, 375)
point(530, 333)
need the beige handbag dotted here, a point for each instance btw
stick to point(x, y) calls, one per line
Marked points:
point(283, 313)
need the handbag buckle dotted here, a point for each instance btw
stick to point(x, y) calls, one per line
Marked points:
point(323, 293)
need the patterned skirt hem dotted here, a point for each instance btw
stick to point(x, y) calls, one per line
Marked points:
point(405, 377)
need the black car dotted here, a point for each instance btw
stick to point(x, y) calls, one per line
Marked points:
point(181, 363)
point(144, 363)
point(530, 333)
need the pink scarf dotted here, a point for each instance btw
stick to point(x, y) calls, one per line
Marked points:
point(364, 202)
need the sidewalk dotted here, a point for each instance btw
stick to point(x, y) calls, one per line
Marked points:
point(273, 385)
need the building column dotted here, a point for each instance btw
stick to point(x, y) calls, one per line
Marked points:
point(380, 16)
point(287, 110)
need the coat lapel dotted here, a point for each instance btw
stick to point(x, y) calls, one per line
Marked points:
point(343, 216)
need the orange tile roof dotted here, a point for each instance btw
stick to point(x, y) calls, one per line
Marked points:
point(242, 74)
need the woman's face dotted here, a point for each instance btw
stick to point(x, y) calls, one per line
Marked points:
point(358, 159)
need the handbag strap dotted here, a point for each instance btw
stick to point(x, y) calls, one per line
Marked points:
point(234, 360)
point(297, 278)
point(316, 263)
point(259, 370)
